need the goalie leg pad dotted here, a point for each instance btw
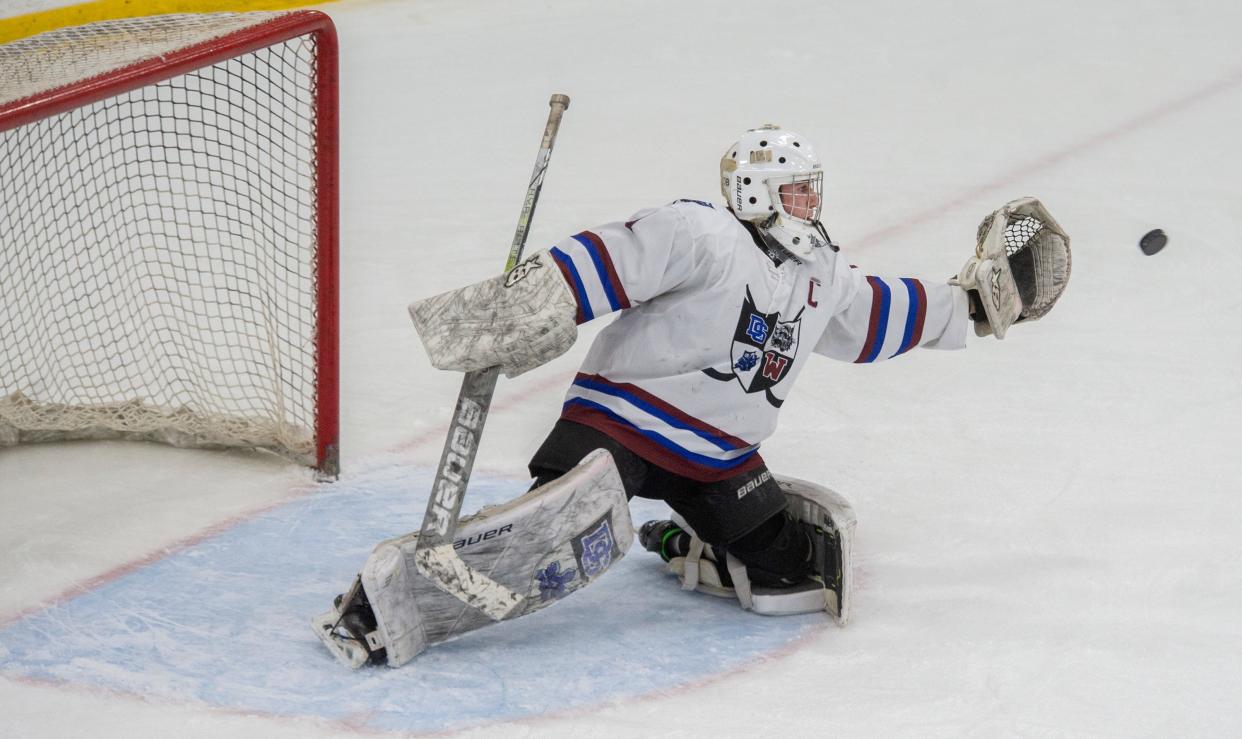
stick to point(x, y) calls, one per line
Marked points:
point(831, 521)
point(826, 518)
point(515, 321)
point(543, 545)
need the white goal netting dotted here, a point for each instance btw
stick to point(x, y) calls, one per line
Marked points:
point(160, 248)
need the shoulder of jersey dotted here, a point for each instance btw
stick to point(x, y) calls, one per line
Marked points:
point(707, 216)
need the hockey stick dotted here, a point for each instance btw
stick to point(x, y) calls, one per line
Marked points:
point(434, 555)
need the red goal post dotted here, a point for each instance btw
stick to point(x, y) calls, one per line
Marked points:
point(169, 231)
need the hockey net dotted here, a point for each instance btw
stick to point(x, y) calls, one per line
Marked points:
point(168, 233)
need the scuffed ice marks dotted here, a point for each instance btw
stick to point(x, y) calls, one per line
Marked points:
point(223, 623)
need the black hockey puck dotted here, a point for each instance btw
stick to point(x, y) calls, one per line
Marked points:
point(1153, 241)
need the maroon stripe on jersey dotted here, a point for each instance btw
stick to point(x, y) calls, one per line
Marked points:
point(873, 330)
point(632, 439)
point(919, 317)
point(667, 408)
point(613, 278)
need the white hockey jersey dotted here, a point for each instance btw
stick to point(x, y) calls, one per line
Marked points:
point(712, 334)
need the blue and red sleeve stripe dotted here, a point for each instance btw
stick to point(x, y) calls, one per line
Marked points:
point(881, 314)
point(574, 280)
point(605, 270)
point(916, 315)
point(591, 275)
point(877, 328)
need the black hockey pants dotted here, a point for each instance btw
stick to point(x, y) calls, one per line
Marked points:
point(751, 525)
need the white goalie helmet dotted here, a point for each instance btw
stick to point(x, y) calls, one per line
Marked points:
point(753, 172)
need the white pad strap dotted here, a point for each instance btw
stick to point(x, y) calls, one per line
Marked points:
point(515, 321)
point(741, 582)
point(690, 568)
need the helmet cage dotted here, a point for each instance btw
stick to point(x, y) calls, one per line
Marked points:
point(790, 202)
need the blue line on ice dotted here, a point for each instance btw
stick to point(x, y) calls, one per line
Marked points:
point(225, 623)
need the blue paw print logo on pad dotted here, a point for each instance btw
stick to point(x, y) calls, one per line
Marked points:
point(552, 581)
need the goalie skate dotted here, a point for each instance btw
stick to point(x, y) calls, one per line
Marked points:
point(828, 521)
point(349, 629)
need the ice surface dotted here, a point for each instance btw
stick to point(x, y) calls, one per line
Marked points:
point(1080, 581)
point(224, 624)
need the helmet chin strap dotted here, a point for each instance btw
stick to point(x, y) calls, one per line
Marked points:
point(776, 250)
point(815, 233)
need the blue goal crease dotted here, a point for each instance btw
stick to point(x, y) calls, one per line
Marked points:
point(226, 622)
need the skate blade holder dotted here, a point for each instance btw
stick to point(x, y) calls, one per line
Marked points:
point(347, 650)
point(809, 597)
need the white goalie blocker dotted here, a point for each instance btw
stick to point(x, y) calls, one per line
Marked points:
point(516, 321)
point(543, 546)
point(830, 521)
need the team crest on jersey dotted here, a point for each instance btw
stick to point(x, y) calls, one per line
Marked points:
point(763, 350)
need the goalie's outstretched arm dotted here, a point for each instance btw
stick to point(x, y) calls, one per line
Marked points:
point(888, 317)
point(1019, 270)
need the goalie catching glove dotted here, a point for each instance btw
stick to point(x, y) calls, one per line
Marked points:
point(515, 321)
point(1020, 267)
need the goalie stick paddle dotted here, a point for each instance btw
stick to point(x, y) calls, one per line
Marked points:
point(434, 554)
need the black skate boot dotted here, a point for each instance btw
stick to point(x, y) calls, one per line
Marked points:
point(665, 538)
point(349, 630)
point(669, 540)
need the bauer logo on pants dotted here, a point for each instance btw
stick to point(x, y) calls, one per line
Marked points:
point(596, 548)
point(753, 483)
